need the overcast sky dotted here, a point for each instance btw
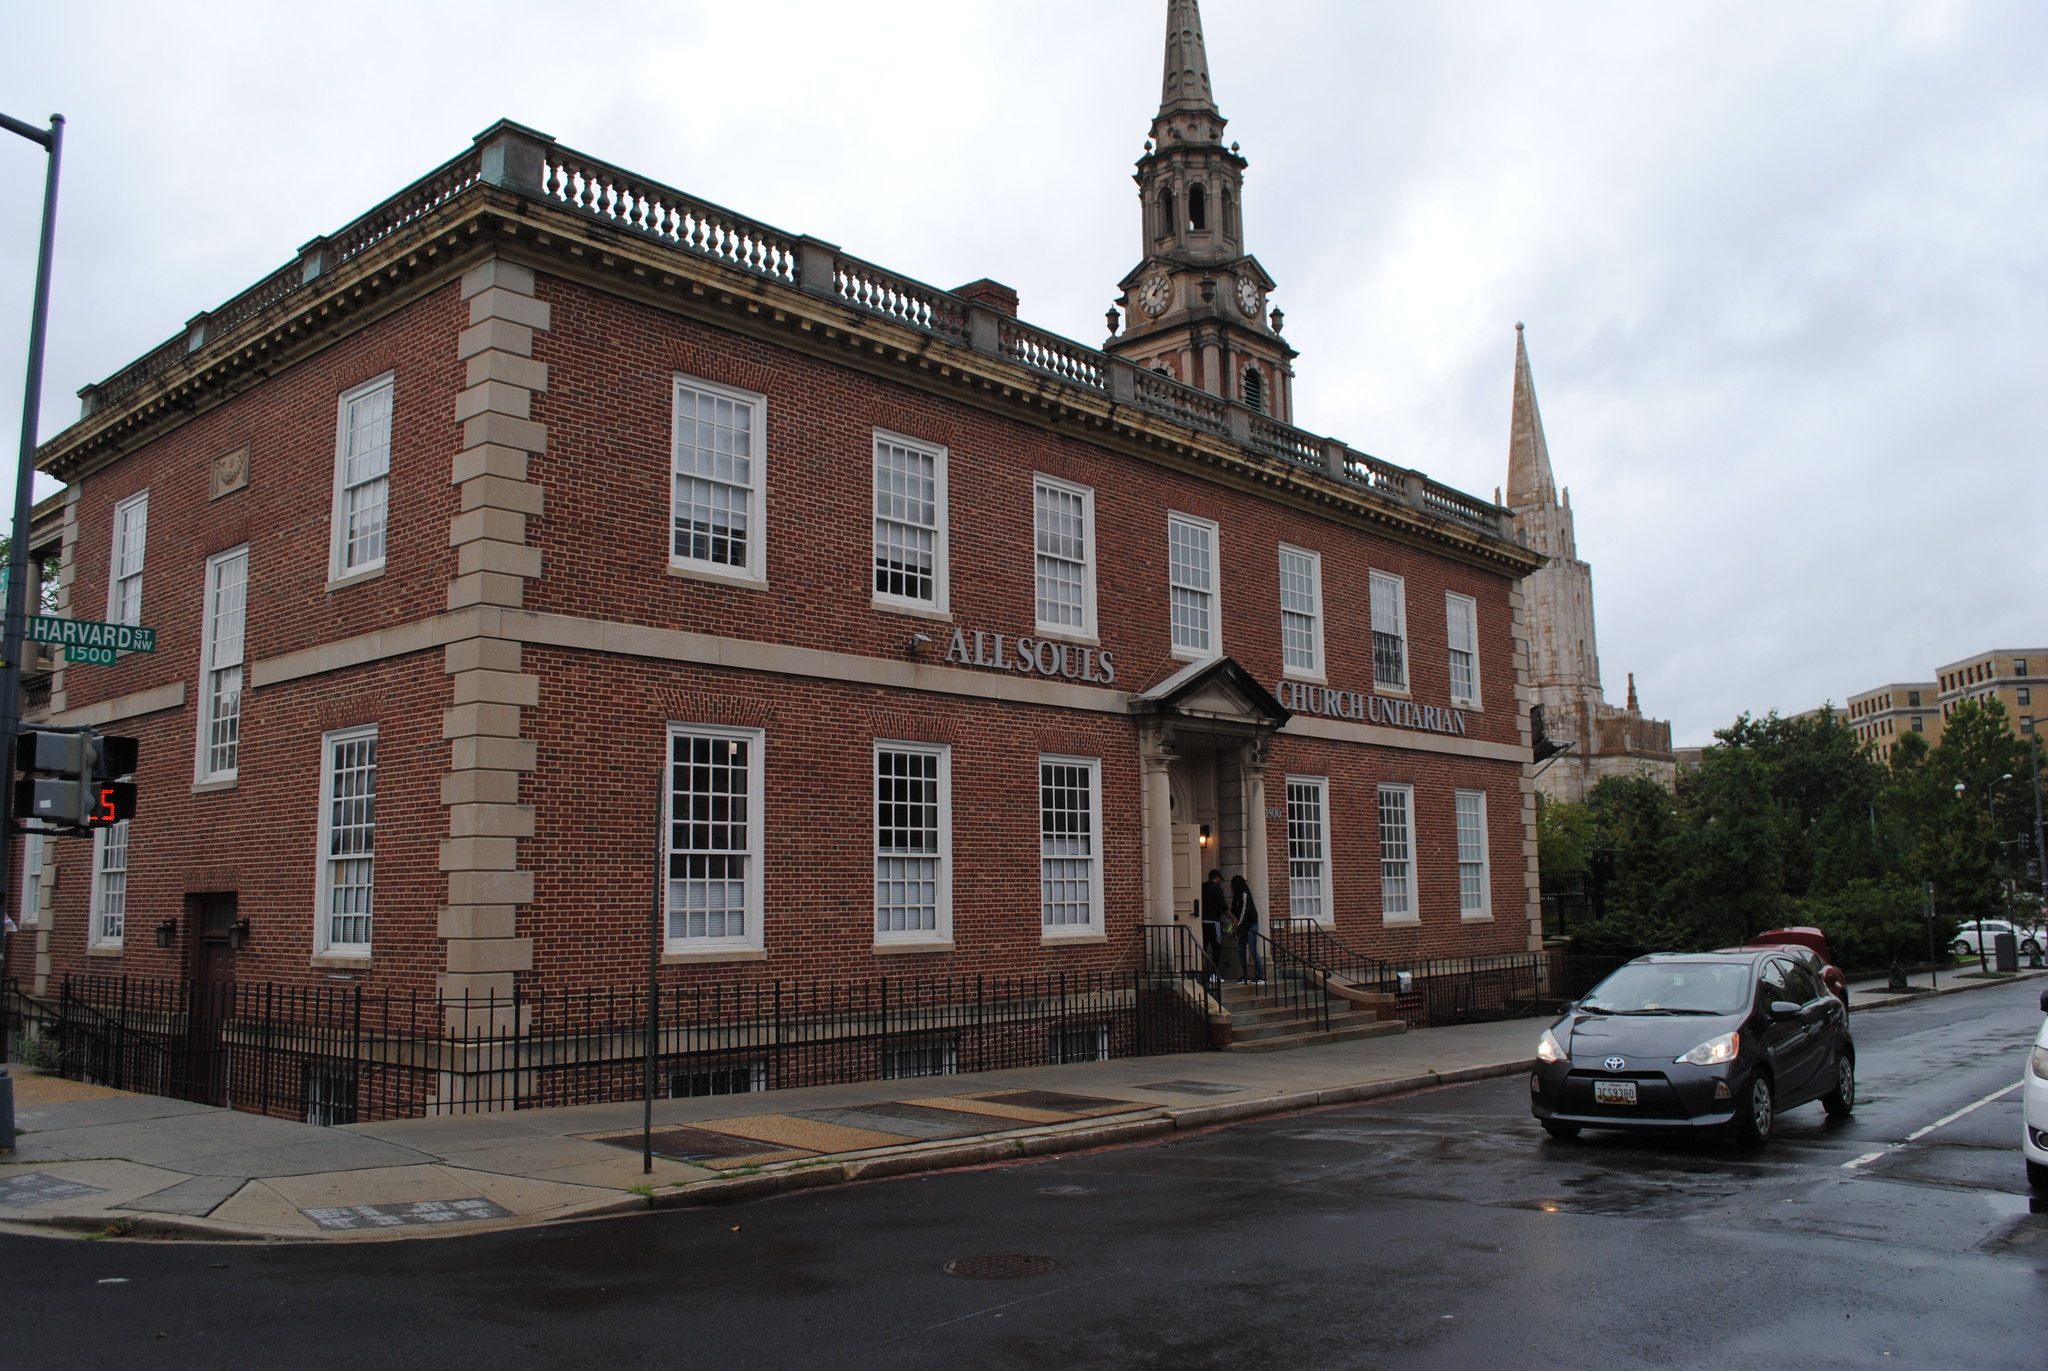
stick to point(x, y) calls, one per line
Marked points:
point(1782, 265)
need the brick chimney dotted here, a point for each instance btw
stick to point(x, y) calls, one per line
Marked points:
point(994, 294)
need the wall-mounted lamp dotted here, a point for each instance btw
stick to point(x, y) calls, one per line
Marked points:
point(1114, 319)
point(1205, 836)
point(167, 933)
point(920, 644)
point(238, 934)
point(1208, 290)
point(1276, 318)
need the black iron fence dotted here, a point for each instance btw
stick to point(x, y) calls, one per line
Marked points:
point(346, 1054)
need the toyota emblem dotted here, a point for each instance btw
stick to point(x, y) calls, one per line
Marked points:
point(1615, 1063)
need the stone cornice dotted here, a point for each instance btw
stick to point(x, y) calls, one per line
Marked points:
point(431, 249)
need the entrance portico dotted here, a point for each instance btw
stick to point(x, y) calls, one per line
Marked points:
point(1204, 738)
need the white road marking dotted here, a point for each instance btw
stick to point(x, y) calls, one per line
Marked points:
point(1918, 1134)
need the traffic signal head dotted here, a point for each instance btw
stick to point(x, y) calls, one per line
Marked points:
point(71, 778)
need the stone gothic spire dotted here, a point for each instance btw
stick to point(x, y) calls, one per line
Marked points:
point(1530, 482)
point(1186, 87)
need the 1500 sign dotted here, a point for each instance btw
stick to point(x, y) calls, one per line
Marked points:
point(88, 640)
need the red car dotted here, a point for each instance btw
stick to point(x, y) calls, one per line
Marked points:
point(1811, 940)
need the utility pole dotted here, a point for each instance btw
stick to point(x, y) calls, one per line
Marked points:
point(51, 140)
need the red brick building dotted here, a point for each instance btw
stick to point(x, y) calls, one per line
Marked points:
point(549, 543)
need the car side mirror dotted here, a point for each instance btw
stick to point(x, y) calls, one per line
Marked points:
point(1784, 1009)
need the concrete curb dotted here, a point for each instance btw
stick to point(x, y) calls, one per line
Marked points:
point(1049, 1141)
point(1892, 1002)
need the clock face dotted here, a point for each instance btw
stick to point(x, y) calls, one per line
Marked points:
point(1248, 296)
point(1155, 295)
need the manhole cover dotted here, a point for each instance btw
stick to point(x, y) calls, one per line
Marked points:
point(1000, 1266)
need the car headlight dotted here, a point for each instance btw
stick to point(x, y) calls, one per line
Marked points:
point(1547, 1049)
point(2037, 1063)
point(1714, 1051)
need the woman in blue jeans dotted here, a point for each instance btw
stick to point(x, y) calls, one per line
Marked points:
point(1244, 913)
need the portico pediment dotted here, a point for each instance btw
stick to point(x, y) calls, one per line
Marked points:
point(1216, 691)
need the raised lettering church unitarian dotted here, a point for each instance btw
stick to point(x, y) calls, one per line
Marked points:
point(548, 541)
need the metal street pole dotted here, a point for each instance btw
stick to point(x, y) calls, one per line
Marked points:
point(2040, 853)
point(52, 141)
point(1991, 821)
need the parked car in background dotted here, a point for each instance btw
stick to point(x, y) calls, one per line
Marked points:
point(2031, 940)
point(1814, 941)
point(2034, 1107)
point(1697, 1040)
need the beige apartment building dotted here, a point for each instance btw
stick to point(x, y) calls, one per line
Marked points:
point(1884, 715)
point(2015, 676)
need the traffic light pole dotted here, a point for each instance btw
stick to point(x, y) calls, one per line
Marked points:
point(15, 639)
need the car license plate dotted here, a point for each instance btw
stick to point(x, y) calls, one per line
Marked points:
point(1614, 1092)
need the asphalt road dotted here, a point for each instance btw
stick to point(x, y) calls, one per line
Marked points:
point(1441, 1229)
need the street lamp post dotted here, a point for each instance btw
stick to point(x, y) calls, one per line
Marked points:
point(51, 140)
point(1991, 818)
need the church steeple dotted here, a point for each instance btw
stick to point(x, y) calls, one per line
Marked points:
point(1196, 306)
point(1530, 481)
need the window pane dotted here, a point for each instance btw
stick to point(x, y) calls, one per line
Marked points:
point(906, 521)
point(1191, 561)
point(1062, 529)
point(1472, 882)
point(1300, 610)
point(906, 842)
point(714, 473)
point(351, 841)
point(1066, 826)
point(708, 847)
point(1389, 632)
point(111, 884)
point(1460, 615)
point(1396, 853)
point(1307, 851)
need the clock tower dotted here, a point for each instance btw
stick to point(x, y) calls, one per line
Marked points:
point(1196, 307)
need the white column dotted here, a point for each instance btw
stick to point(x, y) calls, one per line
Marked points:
point(1155, 757)
point(1255, 874)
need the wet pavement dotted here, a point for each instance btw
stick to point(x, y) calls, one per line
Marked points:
point(1434, 1230)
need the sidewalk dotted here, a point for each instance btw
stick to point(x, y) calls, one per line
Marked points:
point(104, 1161)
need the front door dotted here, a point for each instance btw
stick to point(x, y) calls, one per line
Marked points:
point(1187, 871)
point(213, 1000)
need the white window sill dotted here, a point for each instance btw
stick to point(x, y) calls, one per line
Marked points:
point(911, 608)
point(216, 784)
point(714, 575)
point(700, 956)
point(105, 950)
point(1189, 654)
point(341, 961)
point(1391, 919)
point(355, 578)
point(1312, 677)
point(1067, 939)
point(1486, 918)
point(1068, 635)
point(892, 949)
point(1392, 692)
point(1469, 706)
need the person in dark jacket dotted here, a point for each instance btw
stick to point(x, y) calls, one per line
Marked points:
point(1244, 915)
point(1215, 913)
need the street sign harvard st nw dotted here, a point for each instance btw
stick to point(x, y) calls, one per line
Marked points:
point(89, 640)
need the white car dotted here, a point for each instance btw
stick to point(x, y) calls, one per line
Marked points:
point(2031, 940)
point(2034, 1108)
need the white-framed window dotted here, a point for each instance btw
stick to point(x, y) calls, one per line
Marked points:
point(1308, 849)
point(913, 843)
point(348, 841)
point(362, 478)
point(1301, 611)
point(1191, 580)
point(1397, 853)
point(110, 885)
point(717, 464)
point(131, 535)
point(1389, 631)
point(31, 879)
point(714, 838)
point(910, 523)
point(220, 665)
point(1063, 520)
point(1461, 626)
point(1070, 844)
point(1475, 899)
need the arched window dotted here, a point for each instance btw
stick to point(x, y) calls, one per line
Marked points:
point(1166, 220)
point(1229, 214)
point(1253, 391)
point(1198, 208)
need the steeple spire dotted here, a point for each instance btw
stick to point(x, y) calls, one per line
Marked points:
point(1186, 87)
point(1529, 478)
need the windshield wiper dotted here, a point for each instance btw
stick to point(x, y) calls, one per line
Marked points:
point(1713, 1012)
point(1594, 1009)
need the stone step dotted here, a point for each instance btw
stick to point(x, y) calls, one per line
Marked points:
point(1280, 1027)
point(1381, 1028)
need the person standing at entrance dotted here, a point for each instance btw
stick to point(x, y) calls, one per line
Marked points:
point(1244, 914)
point(1215, 910)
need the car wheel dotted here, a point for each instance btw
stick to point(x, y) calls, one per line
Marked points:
point(1841, 1101)
point(1756, 1112)
point(2030, 948)
point(1962, 949)
point(1565, 1132)
point(2037, 1176)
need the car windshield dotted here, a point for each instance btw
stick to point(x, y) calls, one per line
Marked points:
point(1673, 988)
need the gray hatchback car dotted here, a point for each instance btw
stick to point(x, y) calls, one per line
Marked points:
point(1701, 1040)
